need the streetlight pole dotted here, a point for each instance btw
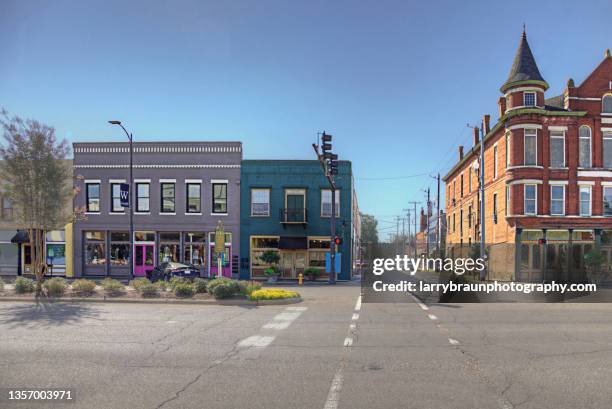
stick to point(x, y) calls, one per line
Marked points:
point(131, 196)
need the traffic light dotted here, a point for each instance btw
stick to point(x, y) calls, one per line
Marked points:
point(332, 166)
point(338, 240)
point(326, 145)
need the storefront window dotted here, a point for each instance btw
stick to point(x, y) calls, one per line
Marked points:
point(264, 242)
point(194, 244)
point(169, 246)
point(120, 248)
point(144, 236)
point(317, 250)
point(95, 248)
point(55, 242)
point(318, 244)
point(582, 236)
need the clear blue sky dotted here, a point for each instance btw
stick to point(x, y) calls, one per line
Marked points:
point(395, 82)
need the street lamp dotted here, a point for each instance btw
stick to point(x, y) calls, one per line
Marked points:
point(131, 201)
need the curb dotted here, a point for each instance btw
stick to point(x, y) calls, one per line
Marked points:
point(235, 302)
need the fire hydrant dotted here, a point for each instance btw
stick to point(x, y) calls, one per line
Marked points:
point(300, 278)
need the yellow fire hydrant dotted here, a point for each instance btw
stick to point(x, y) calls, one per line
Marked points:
point(300, 278)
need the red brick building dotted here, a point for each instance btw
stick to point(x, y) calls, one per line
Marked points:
point(548, 177)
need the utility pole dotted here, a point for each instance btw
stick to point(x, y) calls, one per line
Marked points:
point(415, 226)
point(481, 189)
point(427, 223)
point(438, 228)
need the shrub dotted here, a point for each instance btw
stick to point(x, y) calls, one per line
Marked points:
point(312, 272)
point(215, 282)
point(1, 284)
point(272, 271)
point(272, 294)
point(55, 287)
point(247, 287)
point(183, 290)
point(174, 281)
point(24, 285)
point(112, 286)
point(83, 287)
point(148, 290)
point(162, 285)
point(199, 285)
point(225, 290)
point(139, 282)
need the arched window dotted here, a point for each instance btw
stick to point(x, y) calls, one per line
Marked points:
point(584, 147)
point(606, 104)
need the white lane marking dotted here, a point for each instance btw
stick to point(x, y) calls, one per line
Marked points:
point(277, 325)
point(334, 391)
point(355, 317)
point(353, 326)
point(258, 341)
point(348, 341)
point(423, 306)
point(296, 308)
point(453, 341)
point(171, 322)
point(358, 304)
point(287, 316)
point(432, 317)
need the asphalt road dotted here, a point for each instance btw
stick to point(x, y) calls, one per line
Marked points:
point(327, 352)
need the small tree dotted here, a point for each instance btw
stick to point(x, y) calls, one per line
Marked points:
point(36, 179)
point(271, 257)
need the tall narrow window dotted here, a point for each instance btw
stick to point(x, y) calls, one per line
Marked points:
point(530, 199)
point(495, 208)
point(585, 147)
point(116, 198)
point(92, 193)
point(585, 200)
point(260, 202)
point(495, 162)
point(469, 216)
point(461, 222)
point(507, 211)
point(531, 143)
point(529, 99)
point(7, 208)
point(557, 149)
point(142, 199)
point(326, 204)
point(470, 170)
point(454, 222)
point(219, 197)
point(194, 199)
point(607, 150)
point(507, 149)
point(557, 200)
point(461, 186)
point(606, 104)
point(168, 198)
point(607, 200)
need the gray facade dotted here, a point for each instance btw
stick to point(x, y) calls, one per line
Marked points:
point(180, 229)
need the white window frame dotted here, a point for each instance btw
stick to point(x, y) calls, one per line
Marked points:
point(603, 199)
point(142, 182)
point(337, 202)
point(93, 182)
point(557, 135)
point(552, 186)
point(602, 104)
point(507, 137)
point(535, 188)
point(535, 133)
point(507, 210)
point(606, 135)
point(535, 99)
point(590, 138)
point(267, 213)
point(495, 161)
point(580, 189)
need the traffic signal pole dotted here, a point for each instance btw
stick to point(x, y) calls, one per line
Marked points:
point(332, 247)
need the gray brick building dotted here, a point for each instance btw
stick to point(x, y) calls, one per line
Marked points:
point(180, 192)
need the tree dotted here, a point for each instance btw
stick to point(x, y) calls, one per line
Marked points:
point(36, 179)
point(369, 235)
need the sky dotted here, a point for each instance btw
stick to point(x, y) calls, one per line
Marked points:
point(394, 82)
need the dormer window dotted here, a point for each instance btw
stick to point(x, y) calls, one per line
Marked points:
point(606, 104)
point(529, 99)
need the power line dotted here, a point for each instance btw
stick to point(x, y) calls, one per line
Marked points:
point(395, 177)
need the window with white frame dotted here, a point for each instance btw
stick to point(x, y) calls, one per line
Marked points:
point(507, 210)
point(260, 202)
point(92, 193)
point(326, 205)
point(495, 162)
point(194, 197)
point(116, 198)
point(585, 200)
point(606, 104)
point(219, 204)
point(531, 143)
point(607, 149)
point(557, 200)
point(529, 99)
point(584, 148)
point(607, 200)
point(557, 149)
point(470, 171)
point(142, 197)
point(507, 149)
point(530, 199)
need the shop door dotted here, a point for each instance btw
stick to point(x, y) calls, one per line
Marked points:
point(144, 259)
point(293, 263)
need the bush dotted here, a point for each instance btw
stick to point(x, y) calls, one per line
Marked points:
point(215, 282)
point(112, 286)
point(225, 290)
point(24, 285)
point(83, 287)
point(148, 290)
point(174, 281)
point(312, 272)
point(162, 285)
point(272, 294)
point(1, 284)
point(139, 282)
point(183, 290)
point(247, 287)
point(55, 287)
point(199, 285)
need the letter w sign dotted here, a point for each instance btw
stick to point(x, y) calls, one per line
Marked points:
point(124, 194)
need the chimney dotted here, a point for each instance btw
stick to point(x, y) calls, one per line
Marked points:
point(460, 152)
point(476, 136)
point(486, 120)
point(502, 106)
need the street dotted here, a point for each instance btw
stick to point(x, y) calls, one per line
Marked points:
point(326, 352)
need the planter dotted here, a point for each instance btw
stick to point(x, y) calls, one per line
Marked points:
point(272, 279)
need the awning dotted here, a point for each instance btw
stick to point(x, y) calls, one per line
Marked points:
point(20, 237)
point(293, 243)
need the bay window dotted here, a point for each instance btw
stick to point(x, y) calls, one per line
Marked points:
point(530, 148)
point(529, 99)
point(530, 199)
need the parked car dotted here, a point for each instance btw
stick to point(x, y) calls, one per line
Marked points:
point(169, 269)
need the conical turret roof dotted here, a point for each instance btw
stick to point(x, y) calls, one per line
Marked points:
point(524, 69)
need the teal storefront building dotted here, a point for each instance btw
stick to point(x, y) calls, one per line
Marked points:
point(285, 206)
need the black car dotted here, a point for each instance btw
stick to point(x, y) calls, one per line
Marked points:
point(169, 269)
